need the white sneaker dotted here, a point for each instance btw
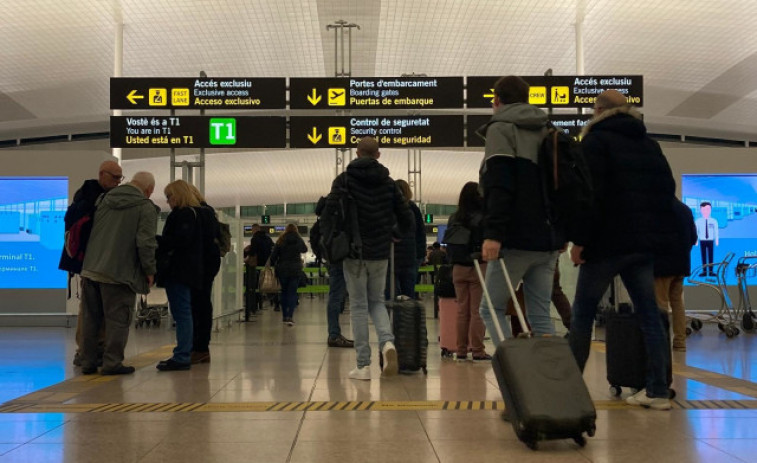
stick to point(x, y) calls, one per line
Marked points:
point(390, 359)
point(641, 398)
point(363, 373)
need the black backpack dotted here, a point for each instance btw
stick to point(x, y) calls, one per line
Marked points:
point(340, 234)
point(566, 182)
point(443, 284)
point(315, 240)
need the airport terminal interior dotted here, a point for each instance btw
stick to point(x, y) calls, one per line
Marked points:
point(260, 104)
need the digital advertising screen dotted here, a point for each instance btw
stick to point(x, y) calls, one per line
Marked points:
point(725, 213)
point(31, 232)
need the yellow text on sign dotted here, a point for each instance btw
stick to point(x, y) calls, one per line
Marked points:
point(337, 135)
point(537, 95)
point(180, 96)
point(337, 97)
point(158, 97)
point(560, 95)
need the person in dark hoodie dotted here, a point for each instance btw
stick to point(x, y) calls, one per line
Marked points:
point(380, 204)
point(119, 263)
point(405, 260)
point(515, 215)
point(631, 222)
point(109, 177)
point(672, 267)
point(287, 258)
point(202, 304)
point(180, 268)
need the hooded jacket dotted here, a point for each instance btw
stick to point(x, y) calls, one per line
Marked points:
point(122, 245)
point(515, 213)
point(675, 261)
point(633, 185)
point(380, 204)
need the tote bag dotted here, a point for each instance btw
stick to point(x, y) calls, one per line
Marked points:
point(268, 282)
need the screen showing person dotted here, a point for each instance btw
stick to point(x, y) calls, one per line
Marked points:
point(725, 214)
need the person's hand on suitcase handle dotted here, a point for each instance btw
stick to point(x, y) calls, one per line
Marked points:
point(490, 250)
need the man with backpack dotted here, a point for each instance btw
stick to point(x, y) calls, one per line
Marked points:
point(83, 208)
point(630, 223)
point(367, 190)
point(337, 285)
point(516, 219)
point(255, 255)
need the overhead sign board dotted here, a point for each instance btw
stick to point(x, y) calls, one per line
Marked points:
point(376, 93)
point(201, 93)
point(390, 131)
point(571, 124)
point(197, 132)
point(559, 91)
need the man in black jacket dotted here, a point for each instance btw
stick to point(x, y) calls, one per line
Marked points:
point(109, 177)
point(380, 205)
point(629, 224)
point(671, 268)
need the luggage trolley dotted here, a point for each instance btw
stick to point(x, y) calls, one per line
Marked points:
point(151, 308)
point(746, 267)
point(726, 315)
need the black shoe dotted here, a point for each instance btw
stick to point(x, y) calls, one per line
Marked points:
point(121, 370)
point(341, 341)
point(89, 371)
point(77, 360)
point(172, 365)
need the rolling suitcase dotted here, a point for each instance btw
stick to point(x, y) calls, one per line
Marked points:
point(626, 353)
point(543, 389)
point(448, 326)
point(408, 318)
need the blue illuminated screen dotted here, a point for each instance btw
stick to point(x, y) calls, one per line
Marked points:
point(31, 231)
point(730, 225)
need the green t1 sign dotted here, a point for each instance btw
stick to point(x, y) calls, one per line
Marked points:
point(223, 131)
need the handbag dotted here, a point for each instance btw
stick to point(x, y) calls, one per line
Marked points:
point(268, 282)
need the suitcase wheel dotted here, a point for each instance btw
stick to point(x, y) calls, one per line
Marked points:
point(615, 390)
point(696, 324)
point(580, 440)
point(672, 393)
point(446, 353)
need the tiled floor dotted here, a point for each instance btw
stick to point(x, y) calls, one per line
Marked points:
point(268, 362)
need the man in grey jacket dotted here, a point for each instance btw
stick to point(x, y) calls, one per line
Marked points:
point(119, 263)
point(515, 213)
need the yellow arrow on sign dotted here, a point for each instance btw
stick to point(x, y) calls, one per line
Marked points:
point(315, 137)
point(132, 97)
point(314, 98)
point(490, 95)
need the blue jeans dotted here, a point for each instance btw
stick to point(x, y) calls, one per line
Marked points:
point(537, 270)
point(336, 299)
point(180, 303)
point(288, 300)
point(365, 283)
point(637, 273)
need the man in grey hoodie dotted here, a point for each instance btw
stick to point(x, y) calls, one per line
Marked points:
point(515, 213)
point(119, 263)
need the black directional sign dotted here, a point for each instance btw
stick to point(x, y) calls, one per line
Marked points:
point(197, 132)
point(570, 124)
point(390, 131)
point(200, 93)
point(376, 93)
point(559, 91)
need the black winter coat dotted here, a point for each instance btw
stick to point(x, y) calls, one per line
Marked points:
point(380, 204)
point(211, 232)
point(83, 204)
point(461, 254)
point(287, 257)
point(182, 242)
point(261, 246)
point(420, 232)
point(633, 189)
point(405, 249)
point(677, 260)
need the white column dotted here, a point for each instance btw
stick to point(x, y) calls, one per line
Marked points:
point(118, 71)
point(580, 13)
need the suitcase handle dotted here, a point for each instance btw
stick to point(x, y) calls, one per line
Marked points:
point(526, 331)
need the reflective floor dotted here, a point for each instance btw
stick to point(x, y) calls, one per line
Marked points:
point(274, 393)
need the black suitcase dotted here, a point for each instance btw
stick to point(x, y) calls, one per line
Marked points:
point(408, 317)
point(543, 389)
point(626, 355)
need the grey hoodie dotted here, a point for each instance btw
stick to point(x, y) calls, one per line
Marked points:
point(122, 246)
